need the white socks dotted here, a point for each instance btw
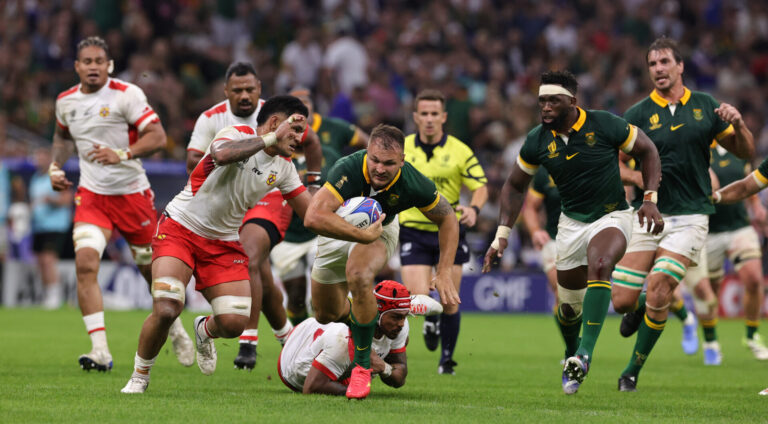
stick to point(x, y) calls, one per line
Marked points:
point(94, 324)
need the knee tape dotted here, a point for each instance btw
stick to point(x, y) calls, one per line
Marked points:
point(572, 298)
point(237, 305)
point(142, 254)
point(702, 307)
point(629, 278)
point(669, 266)
point(89, 235)
point(168, 288)
point(740, 258)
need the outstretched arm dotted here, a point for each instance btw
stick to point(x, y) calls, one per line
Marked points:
point(737, 190)
point(448, 240)
point(393, 369)
point(512, 196)
point(646, 152)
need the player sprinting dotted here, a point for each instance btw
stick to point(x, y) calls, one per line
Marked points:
point(111, 125)
point(265, 224)
point(349, 258)
point(315, 358)
point(682, 124)
point(579, 149)
point(198, 233)
point(450, 164)
point(291, 257)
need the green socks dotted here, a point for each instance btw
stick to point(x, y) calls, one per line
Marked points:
point(362, 335)
point(678, 308)
point(570, 332)
point(647, 335)
point(752, 328)
point(710, 329)
point(595, 307)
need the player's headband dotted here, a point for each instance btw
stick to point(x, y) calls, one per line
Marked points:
point(392, 296)
point(553, 89)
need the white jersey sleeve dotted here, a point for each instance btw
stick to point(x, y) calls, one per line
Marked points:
point(336, 355)
point(136, 109)
point(204, 131)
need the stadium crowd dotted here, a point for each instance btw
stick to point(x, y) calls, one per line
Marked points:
point(364, 60)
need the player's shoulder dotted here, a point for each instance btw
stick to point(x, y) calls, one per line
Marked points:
point(68, 92)
point(535, 133)
point(698, 97)
point(125, 87)
point(601, 115)
point(217, 109)
point(639, 107)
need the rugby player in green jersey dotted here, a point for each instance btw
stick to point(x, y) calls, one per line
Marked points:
point(450, 164)
point(291, 257)
point(682, 124)
point(580, 150)
point(348, 258)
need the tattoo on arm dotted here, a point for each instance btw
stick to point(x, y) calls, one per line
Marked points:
point(224, 153)
point(442, 208)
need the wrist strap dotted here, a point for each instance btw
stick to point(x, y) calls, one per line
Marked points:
point(650, 196)
point(477, 209)
point(387, 370)
point(717, 197)
point(502, 232)
point(54, 170)
point(270, 139)
point(313, 178)
point(123, 154)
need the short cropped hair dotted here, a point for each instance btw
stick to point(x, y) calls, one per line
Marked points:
point(664, 43)
point(564, 78)
point(287, 105)
point(93, 41)
point(388, 136)
point(240, 69)
point(429, 94)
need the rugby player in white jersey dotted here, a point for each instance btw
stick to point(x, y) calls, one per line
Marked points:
point(198, 233)
point(317, 358)
point(111, 125)
point(265, 224)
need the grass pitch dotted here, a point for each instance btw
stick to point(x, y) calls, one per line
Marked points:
point(508, 372)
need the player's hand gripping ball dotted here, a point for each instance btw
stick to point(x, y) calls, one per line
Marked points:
point(360, 211)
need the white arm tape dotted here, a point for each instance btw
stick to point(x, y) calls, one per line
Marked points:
point(502, 232)
point(387, 370)
point(54, 170)
point(717, 197)
point(269, 139)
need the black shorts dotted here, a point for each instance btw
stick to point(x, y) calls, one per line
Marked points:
point(270, 228)
point(419, 247)
point(48, 242)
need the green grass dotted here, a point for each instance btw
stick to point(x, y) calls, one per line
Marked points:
point(508, 372)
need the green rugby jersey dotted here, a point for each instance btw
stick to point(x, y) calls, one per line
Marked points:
point(761, 174)
point(543, 187)
point(728, 168)
point(334, 134)
point(449, 164)
point(683, 141)
point(410, 188)
point(586, 167)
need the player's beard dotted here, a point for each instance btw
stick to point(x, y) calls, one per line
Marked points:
point(556, 123)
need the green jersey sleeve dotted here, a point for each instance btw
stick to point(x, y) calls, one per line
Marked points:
point(345, 179)
point(720, 128)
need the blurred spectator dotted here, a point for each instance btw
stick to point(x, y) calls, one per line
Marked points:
point(51, 219)
point(300, 61)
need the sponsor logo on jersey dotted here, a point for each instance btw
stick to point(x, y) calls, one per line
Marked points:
point(238, 261)
point(654, 119)
point(675, 127)
point(272, 177)
point(256, 171)
point(569, 157)
point(698, 115)
point(552, 150)
point(610, 207)
point(591, 140)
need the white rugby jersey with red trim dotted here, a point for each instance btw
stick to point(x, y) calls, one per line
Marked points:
point(111, 117)
point(214, 120)
point(329, 348)
point(216, 197)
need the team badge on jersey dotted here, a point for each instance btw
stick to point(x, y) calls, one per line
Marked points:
point(697, 115)
point(272, 177)
point(104, 111)
point(654, 122)
point(590, 138)
point(552, 150)
point(341, 182)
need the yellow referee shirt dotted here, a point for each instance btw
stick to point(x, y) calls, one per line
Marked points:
point(449, 163)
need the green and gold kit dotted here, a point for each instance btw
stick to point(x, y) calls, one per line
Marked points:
point(449, 164)
point(334, 134)
point(728, 168)
point(410, 188)
point(584, 163)
point(682, 139)
point(543, 187)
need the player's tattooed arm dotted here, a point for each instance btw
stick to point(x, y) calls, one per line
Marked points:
point(232, 151)
point(399, 371)
point(63, 147)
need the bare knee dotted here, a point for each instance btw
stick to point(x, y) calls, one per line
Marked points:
point(230, 325)
point(601, 268)
point(86, 263)
point(659, 292)
point(360, 281)
point(166, 310)
point(624, 300)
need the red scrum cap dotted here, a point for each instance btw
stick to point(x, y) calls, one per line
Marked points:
point(392, 296)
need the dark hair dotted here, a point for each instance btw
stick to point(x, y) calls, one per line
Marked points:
point(388, 135)
point(240, 69)
point(287, 105)
point(564, 78)
point(429, 94)
point(664, 43)
point(93, 41)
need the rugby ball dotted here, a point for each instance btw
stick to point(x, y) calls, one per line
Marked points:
point(360, 211)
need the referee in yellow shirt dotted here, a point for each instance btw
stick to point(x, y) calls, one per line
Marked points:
point(450, 164)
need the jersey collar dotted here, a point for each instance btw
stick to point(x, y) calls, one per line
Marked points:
point(579, 122)
point(420, 144)
point(368, 179)
point(317, 120)
point(662, 102)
